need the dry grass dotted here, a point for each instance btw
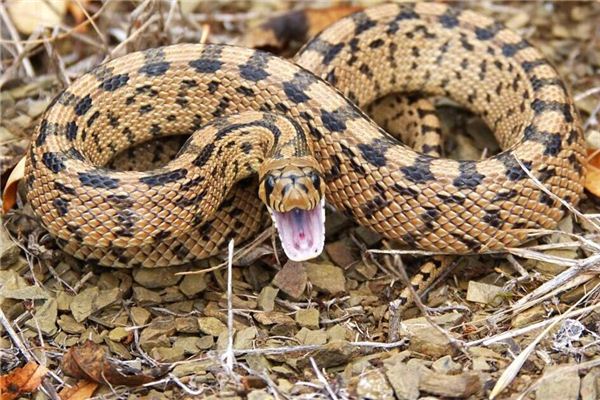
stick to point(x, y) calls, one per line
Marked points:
point(548, 309)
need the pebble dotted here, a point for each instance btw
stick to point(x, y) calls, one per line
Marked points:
point(308, 318)
point(291, 279)
point(326, 278)
point(211, 326)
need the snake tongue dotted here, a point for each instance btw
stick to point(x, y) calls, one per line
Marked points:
point(302, 232)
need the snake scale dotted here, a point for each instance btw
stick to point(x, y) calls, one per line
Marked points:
point(300, 127)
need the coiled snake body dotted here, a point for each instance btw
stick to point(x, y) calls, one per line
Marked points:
point(253, 112)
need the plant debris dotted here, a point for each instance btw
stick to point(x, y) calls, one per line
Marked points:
point(520, 325)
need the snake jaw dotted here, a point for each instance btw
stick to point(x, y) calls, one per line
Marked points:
point(302, 232)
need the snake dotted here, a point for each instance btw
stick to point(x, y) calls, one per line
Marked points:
point(290, 135)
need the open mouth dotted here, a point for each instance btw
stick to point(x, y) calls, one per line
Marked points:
point(302, 232)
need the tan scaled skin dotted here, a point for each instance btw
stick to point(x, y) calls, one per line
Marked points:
point(191, 207)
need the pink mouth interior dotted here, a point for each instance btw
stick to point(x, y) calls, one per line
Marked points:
point(302, 232)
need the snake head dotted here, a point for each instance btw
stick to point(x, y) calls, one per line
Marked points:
point(294, 192)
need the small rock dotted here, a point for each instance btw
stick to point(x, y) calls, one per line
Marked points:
point(63, 300)
point(144, 296)
point(330, 355)
point(307, 337)
point(118, 334)
point(367, 236)
point(404, 380)
point(187, 325)
point(91, 300)
point(555, 268)
point(206, 342)
point(461, 385)
point(158, 333)
point(558, 384)
point(368, 270)
point(431, 342)
point(340, 253)
point(211, 326)
point(118, 349)
point(191, 285)
point(529, 316)
point(189, 344)
point(444, 320)
point(172, 294)
point(446, 365)
point(336, 333)
point(266, 298)
point(9, 251)
point(484, 293)
point(69, 325)
point(480, 364)
point(196, 367)
point(291, 279)
point(154, 278)
point(326, 277)
point(168, 354)
point(140, 316)
point(590, 385)
point(259, 395)
point(308, 318)
point(373, 385)
point(244, 339)
point(273, 318)
point(44, 318)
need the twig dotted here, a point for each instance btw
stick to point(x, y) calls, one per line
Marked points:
point(18, 45)
point(93, 23)
point(14, 337)
point(568, 205)
point(521, 331)
point(229, 356)
point(458, 344)
point(322, 379)
point(513, 369)
point(134, 35)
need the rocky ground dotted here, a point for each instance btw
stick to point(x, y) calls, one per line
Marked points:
point(519, 325)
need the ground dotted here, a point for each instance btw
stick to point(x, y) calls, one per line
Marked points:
point(522, 324)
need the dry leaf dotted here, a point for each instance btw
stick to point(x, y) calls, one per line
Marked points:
point(21, 380)
point(89, 362)
point(76, 10)
point(9, 195)
point(81, 391)
point(592, 180)
point(297, 25)
point(28, 19)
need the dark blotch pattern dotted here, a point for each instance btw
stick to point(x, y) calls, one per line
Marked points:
point(98, 180)
point(374, 153)
point(204, 155)
point(164, 178)
point(54, 161)
point(420, 171)
point(83, 105)
point(115, 82)
point(469, 177)
point(206, 65)
point(514, 172)
point(155, 69)
point(71, 131)
point(61, 205)
point(332, 121)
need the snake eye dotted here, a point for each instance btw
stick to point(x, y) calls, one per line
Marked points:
point(269, 185)
point(316, 181)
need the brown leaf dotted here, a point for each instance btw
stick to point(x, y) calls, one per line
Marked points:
point(89, 362)
point(592, 180)
point(81, 391)
point(9, 195)
point(21, 380)
point(298, 25)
